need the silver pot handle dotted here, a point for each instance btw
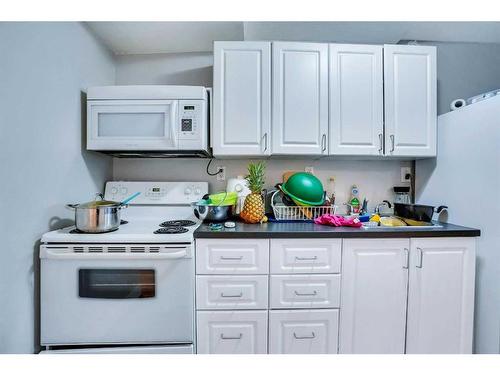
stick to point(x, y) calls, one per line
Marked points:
point(72, 206)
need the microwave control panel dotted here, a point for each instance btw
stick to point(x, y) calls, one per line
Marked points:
point(192, 119)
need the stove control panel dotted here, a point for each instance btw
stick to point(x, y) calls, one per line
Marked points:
point(156, 193)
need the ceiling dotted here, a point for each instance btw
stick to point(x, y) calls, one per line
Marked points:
point(174, 37)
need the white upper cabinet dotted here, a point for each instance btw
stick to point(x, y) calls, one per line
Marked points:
point(242, 99)
point(441, 296)
point(356, 100)
point(410, 100)
point(374, 292)
point(300, 98)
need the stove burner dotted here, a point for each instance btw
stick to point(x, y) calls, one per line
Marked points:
point(171, 230)
point(177, 223)
point(78, 231)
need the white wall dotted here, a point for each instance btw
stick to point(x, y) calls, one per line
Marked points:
point(375, 179)
point(43, 69)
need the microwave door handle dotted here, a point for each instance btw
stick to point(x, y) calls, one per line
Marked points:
point(175, 119)
point(49, 254)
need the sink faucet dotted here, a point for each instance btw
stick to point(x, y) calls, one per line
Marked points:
point(384, 203)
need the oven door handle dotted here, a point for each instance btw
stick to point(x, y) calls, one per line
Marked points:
point(50, 254)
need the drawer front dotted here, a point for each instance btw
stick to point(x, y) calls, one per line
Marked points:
point(231, 292)
point(303, 331)
point(305, 291)
point(306, 256)
point(249, 256)
point(230, 332)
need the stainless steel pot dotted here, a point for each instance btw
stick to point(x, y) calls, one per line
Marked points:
point(98, 216)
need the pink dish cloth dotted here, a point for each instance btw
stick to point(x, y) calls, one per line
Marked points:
point(338, 221)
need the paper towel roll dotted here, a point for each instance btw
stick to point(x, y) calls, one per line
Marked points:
point(456, 104)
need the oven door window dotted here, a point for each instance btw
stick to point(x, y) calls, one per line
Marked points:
point(116, 283)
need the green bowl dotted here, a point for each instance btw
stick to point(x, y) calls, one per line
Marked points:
point(304, 188)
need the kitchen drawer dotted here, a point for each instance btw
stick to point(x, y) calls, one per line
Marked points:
point(303, 331)
point(231, 292)
point(232, 332)
point(226, 256)
point(306, 256)
point(305, 291)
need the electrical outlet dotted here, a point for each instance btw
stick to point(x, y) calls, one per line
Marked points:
point(221, 176)
point(404, 172)
point(309, 169)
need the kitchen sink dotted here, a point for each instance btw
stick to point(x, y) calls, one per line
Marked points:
point(403, 227)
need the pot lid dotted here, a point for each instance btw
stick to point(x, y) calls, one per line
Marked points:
point(98, 202)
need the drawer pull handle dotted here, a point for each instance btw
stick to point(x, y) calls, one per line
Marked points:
point(306, 294)
point(231, 295)
point(304, 337)
point(306, 258)
point(231, 337)
point(231, 258)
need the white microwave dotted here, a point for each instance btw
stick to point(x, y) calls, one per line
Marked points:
point(148, 121)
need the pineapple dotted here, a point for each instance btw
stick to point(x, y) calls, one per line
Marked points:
point(253, 209)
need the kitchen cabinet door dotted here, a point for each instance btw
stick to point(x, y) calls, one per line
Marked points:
point(356, 100)
point(410, 89)
point(441, 295)
point(232, 332)
point(300, 98)
point(241, 98)
point(373, 296)
point(303, 332)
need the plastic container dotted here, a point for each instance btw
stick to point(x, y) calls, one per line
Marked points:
point(223, 199)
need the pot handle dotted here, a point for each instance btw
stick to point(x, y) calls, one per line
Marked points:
point(441, 208)
point(71, 206)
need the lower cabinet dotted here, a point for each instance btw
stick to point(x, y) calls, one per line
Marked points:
point(374, 292)
point(441, 296)
point(390, 296)
point(231, 332)
point(303, 331)
point(407, 296)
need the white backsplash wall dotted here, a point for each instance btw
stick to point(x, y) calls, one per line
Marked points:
point(375, 179)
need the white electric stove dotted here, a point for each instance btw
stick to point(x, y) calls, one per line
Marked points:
point(160, 214)
point(130, 290)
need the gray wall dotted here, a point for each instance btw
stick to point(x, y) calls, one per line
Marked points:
point(43, 69)
point(193, 68)
point(465, 70)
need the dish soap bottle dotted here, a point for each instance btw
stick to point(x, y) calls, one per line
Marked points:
point(354, 202)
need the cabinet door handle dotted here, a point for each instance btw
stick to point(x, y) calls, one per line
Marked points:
point(312, 336)
point(323, 143)
point(231, 295)
point(307, 258)
point(306, 294)
point(265, 142)
point(406, 258)
point(420, 255)
point(392, 142)
point(231, 337)
point(231, 258)
point(380, 143)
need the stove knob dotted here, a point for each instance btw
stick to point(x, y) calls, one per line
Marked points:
point(188, 191)
point(114, 190)
point(123, 191)
point(197, 191)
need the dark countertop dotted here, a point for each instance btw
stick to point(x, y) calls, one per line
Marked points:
point(310, 230)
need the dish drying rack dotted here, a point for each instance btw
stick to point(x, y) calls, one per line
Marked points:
point(299, 213)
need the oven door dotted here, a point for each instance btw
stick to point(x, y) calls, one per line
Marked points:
point(116, 298)
point(139, 125)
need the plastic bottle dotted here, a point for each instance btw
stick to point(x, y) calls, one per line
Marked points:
point(354, 202)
